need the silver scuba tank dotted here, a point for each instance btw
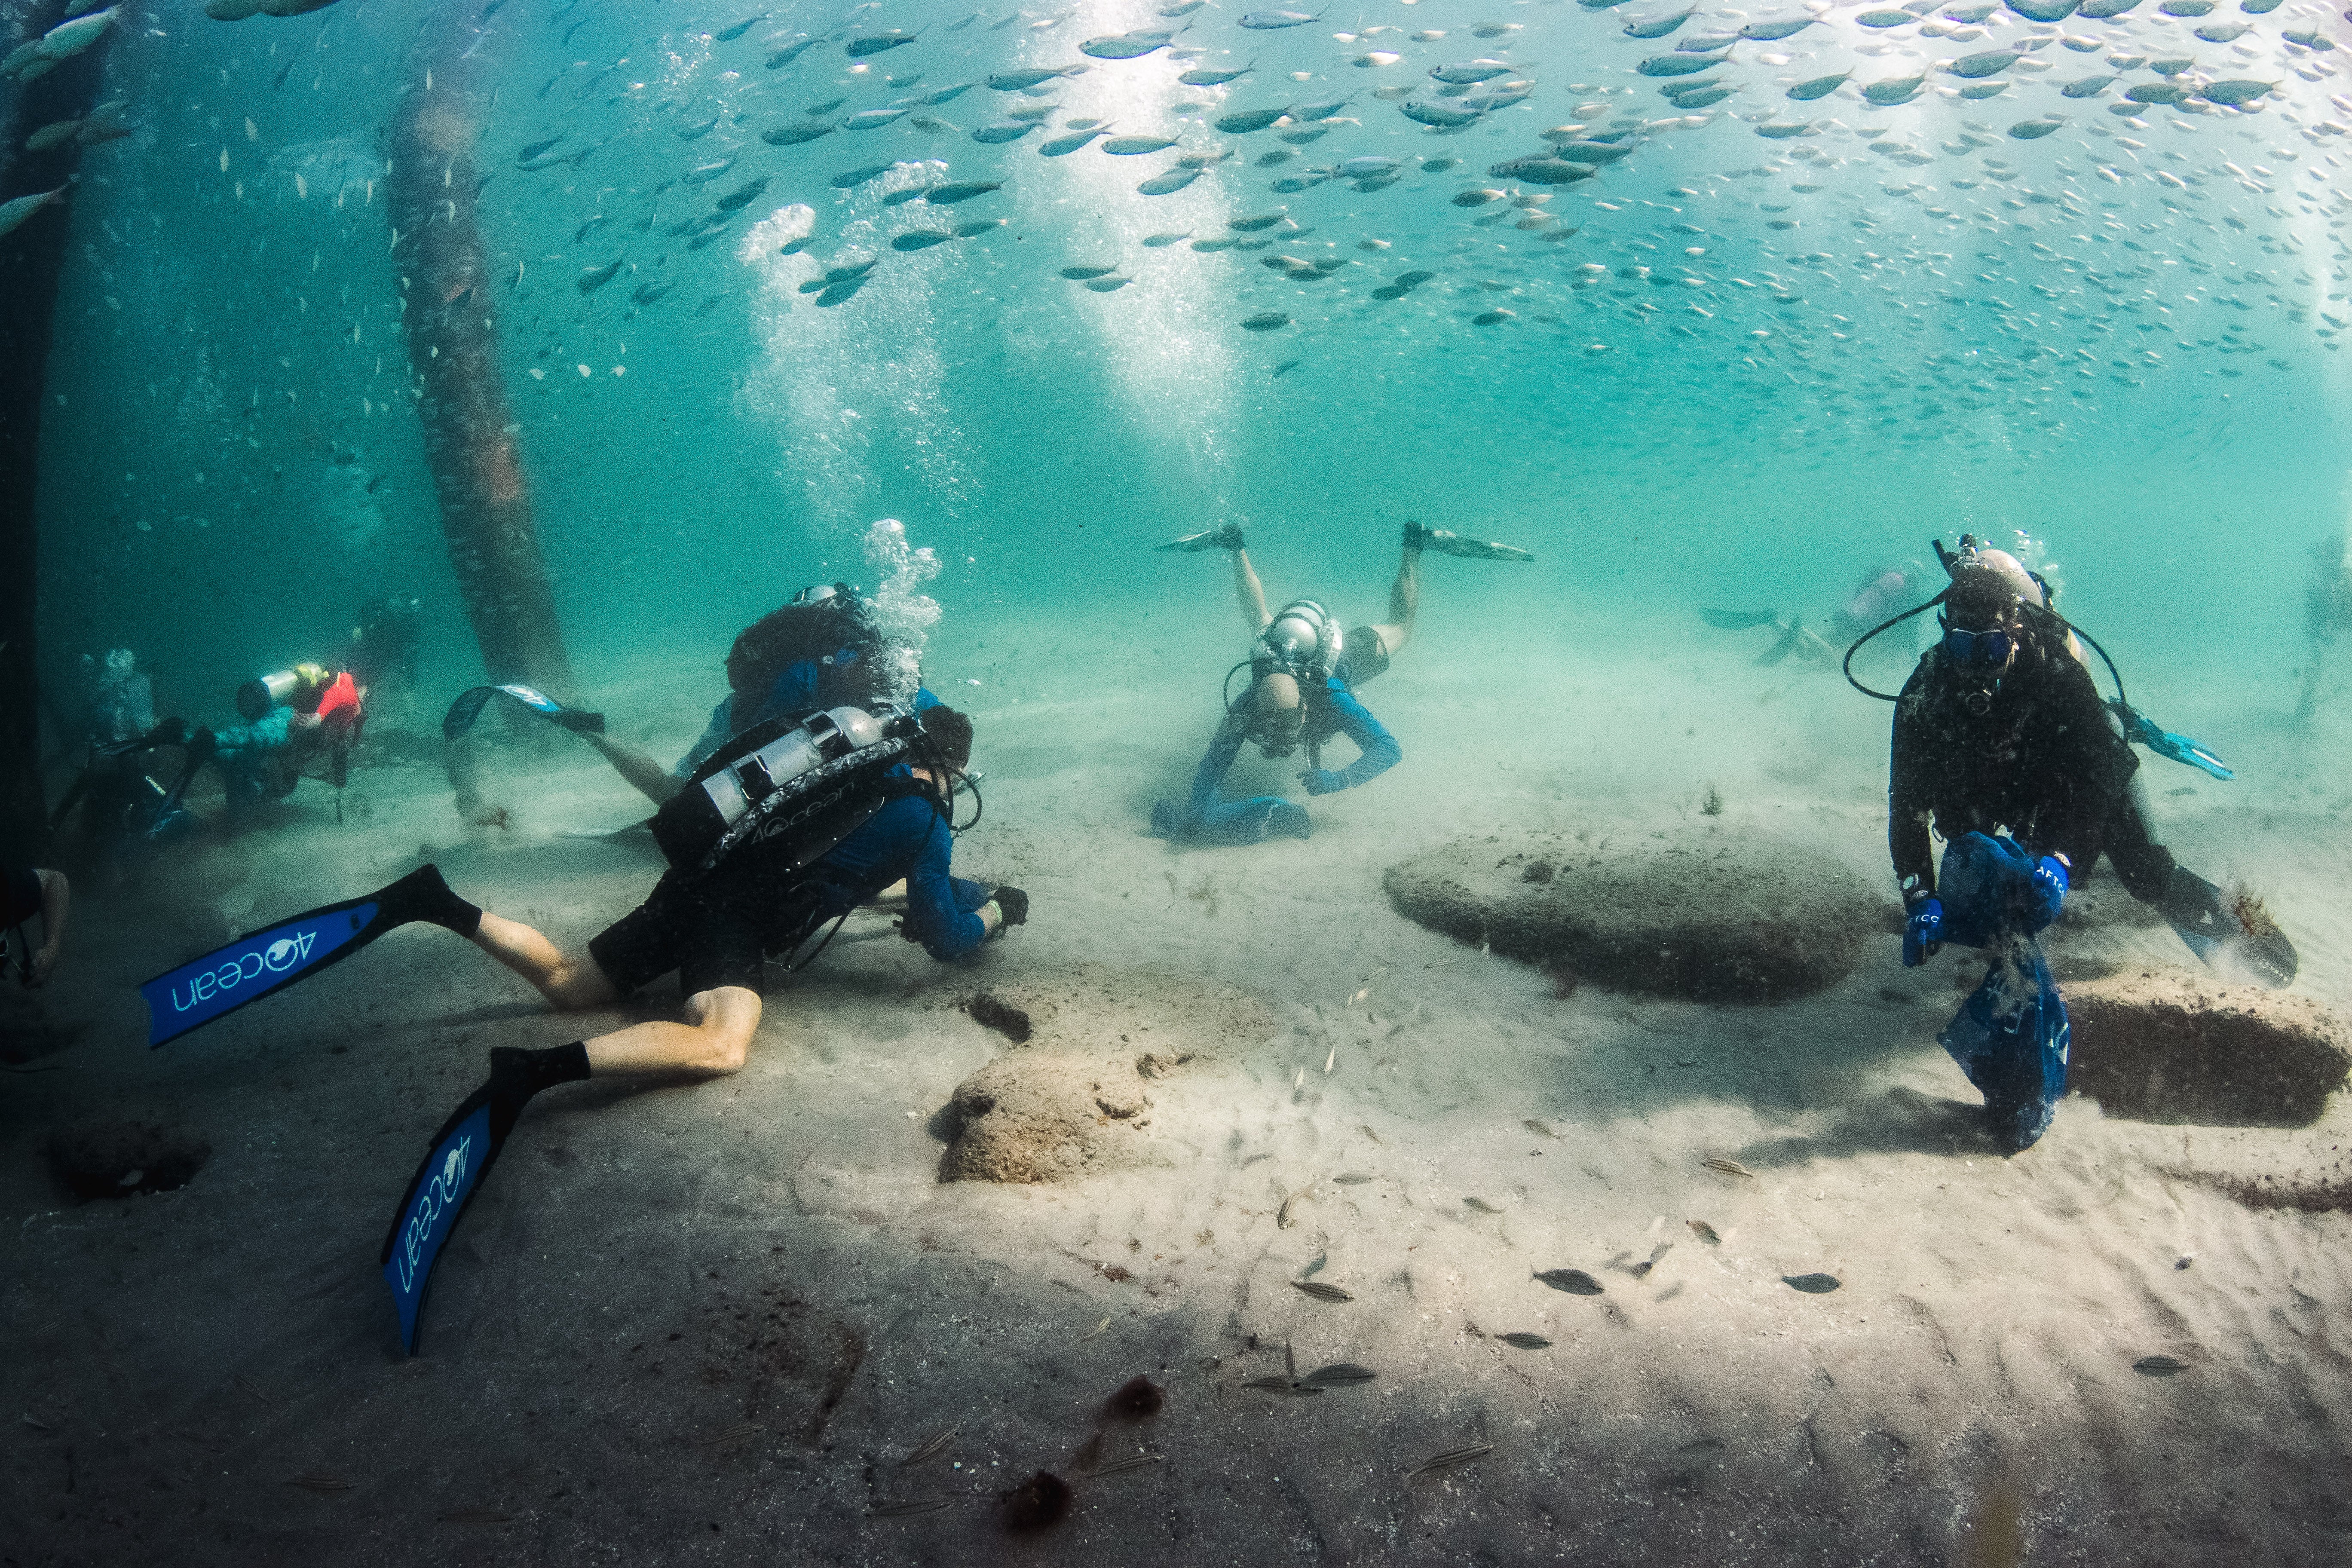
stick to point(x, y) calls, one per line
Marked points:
point(692, 822)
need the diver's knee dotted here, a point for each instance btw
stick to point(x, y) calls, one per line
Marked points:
point(580, 984)
point(724, 1018)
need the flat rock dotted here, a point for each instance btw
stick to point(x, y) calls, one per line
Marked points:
point(1717, 918)
point(1086, 1050)
point(2170, 1046)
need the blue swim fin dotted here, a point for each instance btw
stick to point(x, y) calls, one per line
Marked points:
point(2012, 1039)
point(468, 707)
point(2139, 726)
point(255, 966)
point(454, 1166)
point(456, 1160)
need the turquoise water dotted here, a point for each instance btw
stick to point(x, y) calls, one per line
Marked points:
point(2103, 336)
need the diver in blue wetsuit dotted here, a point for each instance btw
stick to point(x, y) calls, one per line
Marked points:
point(824, 649)
point(1303, 674)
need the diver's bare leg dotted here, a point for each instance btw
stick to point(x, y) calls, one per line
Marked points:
point(651, 779)
point(714, 1039)
point(1250, 594)
point(569, 984)
point(1404, 602)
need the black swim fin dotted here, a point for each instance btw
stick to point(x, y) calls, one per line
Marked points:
point(456, 1160)
point(1739, 620)
point(2216, 934)
point(468, 707)
point(1791, 636)
point(252, 967)
point(1447, 543)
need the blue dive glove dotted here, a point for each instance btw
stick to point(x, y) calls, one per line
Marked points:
point(1923, 931)
point(2047, 894)
point(1323, 780)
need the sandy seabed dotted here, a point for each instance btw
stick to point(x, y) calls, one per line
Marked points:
point(708, 1321)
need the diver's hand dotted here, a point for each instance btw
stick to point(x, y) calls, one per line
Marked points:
point(2048, 892)
point(1012, 904)
point(1923, 932)
point(1323, 780)
point(45, 964)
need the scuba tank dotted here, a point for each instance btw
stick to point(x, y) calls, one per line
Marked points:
point(300, 687)
point(821, 771)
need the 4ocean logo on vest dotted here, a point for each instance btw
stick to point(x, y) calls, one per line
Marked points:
point(196, 992)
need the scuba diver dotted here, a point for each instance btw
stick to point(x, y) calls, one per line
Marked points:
point(116, 792)
point(1882, 591)
point(782, 833)
point(2328, 610)
point(1303, 674)
point(383, 653)
point(2002, 746)
point(301, 723)
point(26, 892)
point(823, 649)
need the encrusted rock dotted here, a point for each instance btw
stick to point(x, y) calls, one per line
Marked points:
point(1073, 1096)
point(2173, 1046)
point(1713, 917)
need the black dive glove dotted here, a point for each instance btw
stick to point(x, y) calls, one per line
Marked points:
point(1012, 904)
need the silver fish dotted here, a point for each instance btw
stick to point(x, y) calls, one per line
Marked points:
point(1015, 81)
point(1438, 115)
point(1243, 122)
point(1658, 27)
point(1470, 72)
point(961, 191)
point(1574, 1281)
point(1061, 145)
point(1989, 62)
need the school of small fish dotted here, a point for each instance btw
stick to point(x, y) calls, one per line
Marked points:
point(2092, 193)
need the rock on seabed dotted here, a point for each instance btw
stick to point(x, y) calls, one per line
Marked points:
point(1717, 919)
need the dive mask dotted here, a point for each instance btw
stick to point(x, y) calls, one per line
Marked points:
point(1278, 732)
point(1989, 649)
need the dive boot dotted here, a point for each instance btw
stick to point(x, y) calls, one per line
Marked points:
point(1227, 536)
point(2244, 937)
point(1450, 544)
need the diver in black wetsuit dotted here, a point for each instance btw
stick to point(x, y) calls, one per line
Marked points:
point(1999, 730)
